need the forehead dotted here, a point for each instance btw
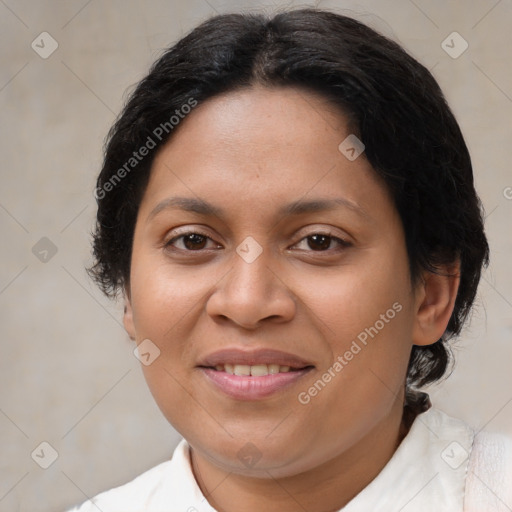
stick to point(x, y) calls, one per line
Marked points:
point(261, 148)
point(264, 118)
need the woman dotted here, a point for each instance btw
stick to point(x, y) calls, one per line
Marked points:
point(287, 208)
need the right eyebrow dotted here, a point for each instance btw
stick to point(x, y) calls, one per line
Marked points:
point(189, 204)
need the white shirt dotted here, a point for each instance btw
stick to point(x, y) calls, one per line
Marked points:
point(442, 465)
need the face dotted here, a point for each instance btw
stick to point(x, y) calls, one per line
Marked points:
point(260, 246)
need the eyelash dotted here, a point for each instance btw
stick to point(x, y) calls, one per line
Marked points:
point(343, 244)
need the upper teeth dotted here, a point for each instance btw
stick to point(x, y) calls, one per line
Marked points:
point(256, 370)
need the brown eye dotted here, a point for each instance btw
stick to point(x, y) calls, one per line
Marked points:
point(322, 242)
point(319, 242)
point(194, 241)
point(190, 242)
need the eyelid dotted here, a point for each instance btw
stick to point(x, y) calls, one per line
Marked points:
point(185, 229)
point(335, 233)
point(182, 231)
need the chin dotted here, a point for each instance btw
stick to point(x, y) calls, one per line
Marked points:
point(255, 456)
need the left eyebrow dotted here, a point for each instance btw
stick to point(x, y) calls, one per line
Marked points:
point(316, 205)
point(299, 207)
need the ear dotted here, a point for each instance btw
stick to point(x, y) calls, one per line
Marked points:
point(436, 294)
point(128, 317)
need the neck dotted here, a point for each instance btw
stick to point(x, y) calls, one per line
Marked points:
point(326, 488)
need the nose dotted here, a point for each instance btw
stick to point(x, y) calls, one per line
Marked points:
point(251, 294)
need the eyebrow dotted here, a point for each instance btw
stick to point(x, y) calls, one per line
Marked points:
point(299, 207)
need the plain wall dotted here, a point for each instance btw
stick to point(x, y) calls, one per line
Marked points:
point(67, 371)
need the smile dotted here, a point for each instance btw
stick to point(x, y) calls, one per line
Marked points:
point(252, 374)
point(257, 370)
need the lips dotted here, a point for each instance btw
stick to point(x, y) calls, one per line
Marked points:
point(253, 375)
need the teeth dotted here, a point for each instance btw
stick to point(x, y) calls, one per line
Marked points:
point(256, 370)
point(273, 368)
point(242, 369)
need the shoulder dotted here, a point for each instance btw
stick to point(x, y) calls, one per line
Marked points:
point(146, 491)
point(489, 476)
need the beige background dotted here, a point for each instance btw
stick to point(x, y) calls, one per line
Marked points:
point(67, 372)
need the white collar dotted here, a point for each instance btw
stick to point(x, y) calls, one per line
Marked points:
point(427, 472)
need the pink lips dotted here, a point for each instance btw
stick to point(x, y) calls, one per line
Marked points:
point(249, 387)
point(242, 387)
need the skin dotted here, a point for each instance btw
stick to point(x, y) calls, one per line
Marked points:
point(250, 153)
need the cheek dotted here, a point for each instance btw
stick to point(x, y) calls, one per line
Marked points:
point(359, 297)
point(163, 298)
point(366, 320)
point(166, 307)
point(364, 377)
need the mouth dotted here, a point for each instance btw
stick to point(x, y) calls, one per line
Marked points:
point(253, 375)
point(255, 370)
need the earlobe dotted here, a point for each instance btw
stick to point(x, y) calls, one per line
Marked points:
point(436, 299)
point(128, 318)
